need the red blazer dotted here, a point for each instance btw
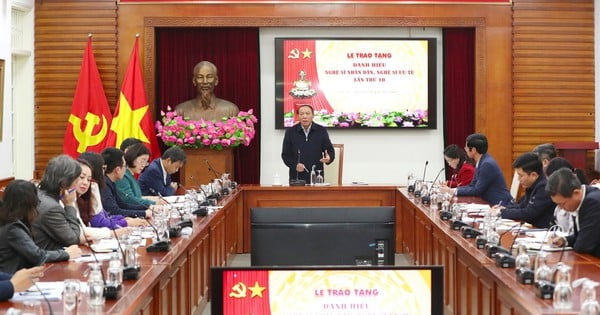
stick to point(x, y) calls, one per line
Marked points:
point(464, 176)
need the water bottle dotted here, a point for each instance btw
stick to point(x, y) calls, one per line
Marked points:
point(95, 285)
point(563, 292)
point(522, 261)
point(589, 304)
point(313, 176)
point(115, 270)
point(542, 271)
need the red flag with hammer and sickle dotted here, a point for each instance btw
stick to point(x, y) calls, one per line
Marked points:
point(90, 117)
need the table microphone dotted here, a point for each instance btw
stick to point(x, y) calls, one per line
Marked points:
point(110, 292)
point(471, 231)
point(159, 245)
point(224, 190)
point(544, 288)
point(493, 249)
point(205, 202)
point(184, 222)
point(43, 295)
point(427, 198)
point(297, 181)
point(507, 260)
point(130, 272)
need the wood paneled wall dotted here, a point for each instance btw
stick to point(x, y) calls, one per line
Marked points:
point(553, 72)
point(534, 67)
point(61, 32)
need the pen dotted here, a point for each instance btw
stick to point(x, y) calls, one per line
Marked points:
point(33, 293)
point(68, 192)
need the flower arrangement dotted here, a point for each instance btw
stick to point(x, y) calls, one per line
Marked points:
point(174, 129)
point(405, 119)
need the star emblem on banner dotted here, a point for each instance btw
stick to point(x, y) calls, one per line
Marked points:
point(256, 290)
point(127, 123)
point(306, 53)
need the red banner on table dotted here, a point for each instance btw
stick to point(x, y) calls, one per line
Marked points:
point(322, 1)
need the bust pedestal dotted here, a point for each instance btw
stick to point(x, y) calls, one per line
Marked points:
point(197, 167)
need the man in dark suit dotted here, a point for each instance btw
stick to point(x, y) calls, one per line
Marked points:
point(583, 202)
point(535, 207)
point(156, 178)
point(488, 182)
point(115, 170)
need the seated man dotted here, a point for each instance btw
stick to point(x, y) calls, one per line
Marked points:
point(19, 282)
point(488, 182)
point(115, 170)
point(581, 200)
point(536, 206)
point(156, 179)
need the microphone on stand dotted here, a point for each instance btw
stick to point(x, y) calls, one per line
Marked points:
point(494, 249)
point(507, 260)
point(211, 169)
point(298, 181)
point(545, 289)
point(225, 189)
point(184, 222)
point(425, 170)
point(43, 296)
point(426, 199)
point(159, 245)
point(204, 203)
point(130, 272)
point(110, 292)
point(471, 231)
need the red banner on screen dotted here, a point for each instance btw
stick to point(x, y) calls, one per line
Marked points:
point(321, 1)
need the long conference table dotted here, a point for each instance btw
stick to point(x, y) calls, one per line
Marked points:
point(178, 282)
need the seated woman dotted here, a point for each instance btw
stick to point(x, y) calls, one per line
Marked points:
point(462, 168)
point(19, 282)
point(89, 202)
point(18, 250)
point(57, 225)
point(128, 189)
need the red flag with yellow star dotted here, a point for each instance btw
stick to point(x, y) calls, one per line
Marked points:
point(90, 116)
point(132, 117)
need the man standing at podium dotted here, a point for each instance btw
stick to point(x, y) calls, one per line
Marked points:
point(306, 145)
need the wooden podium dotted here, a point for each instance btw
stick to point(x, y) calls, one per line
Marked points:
point(575, 151)
point(196, 170)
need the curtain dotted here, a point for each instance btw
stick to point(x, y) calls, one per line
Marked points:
point(235, 52)
point(459, 85)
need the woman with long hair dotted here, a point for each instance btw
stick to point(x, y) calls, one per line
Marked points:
point(18, 249)
point(89, 202)
point(462, 167)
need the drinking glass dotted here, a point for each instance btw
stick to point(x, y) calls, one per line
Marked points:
point(32, 307)
point(320, 179)
point(70, 296)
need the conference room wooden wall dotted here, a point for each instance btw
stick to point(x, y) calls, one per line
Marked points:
point(534, 60)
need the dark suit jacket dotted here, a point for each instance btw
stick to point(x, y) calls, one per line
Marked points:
point(110, 201)
point(20, 251)
point(488, 183)
point(55, 227)
point(311, 149)
point(6, 287)
point(587, 238)
point(153, 177)
point(535, 207)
